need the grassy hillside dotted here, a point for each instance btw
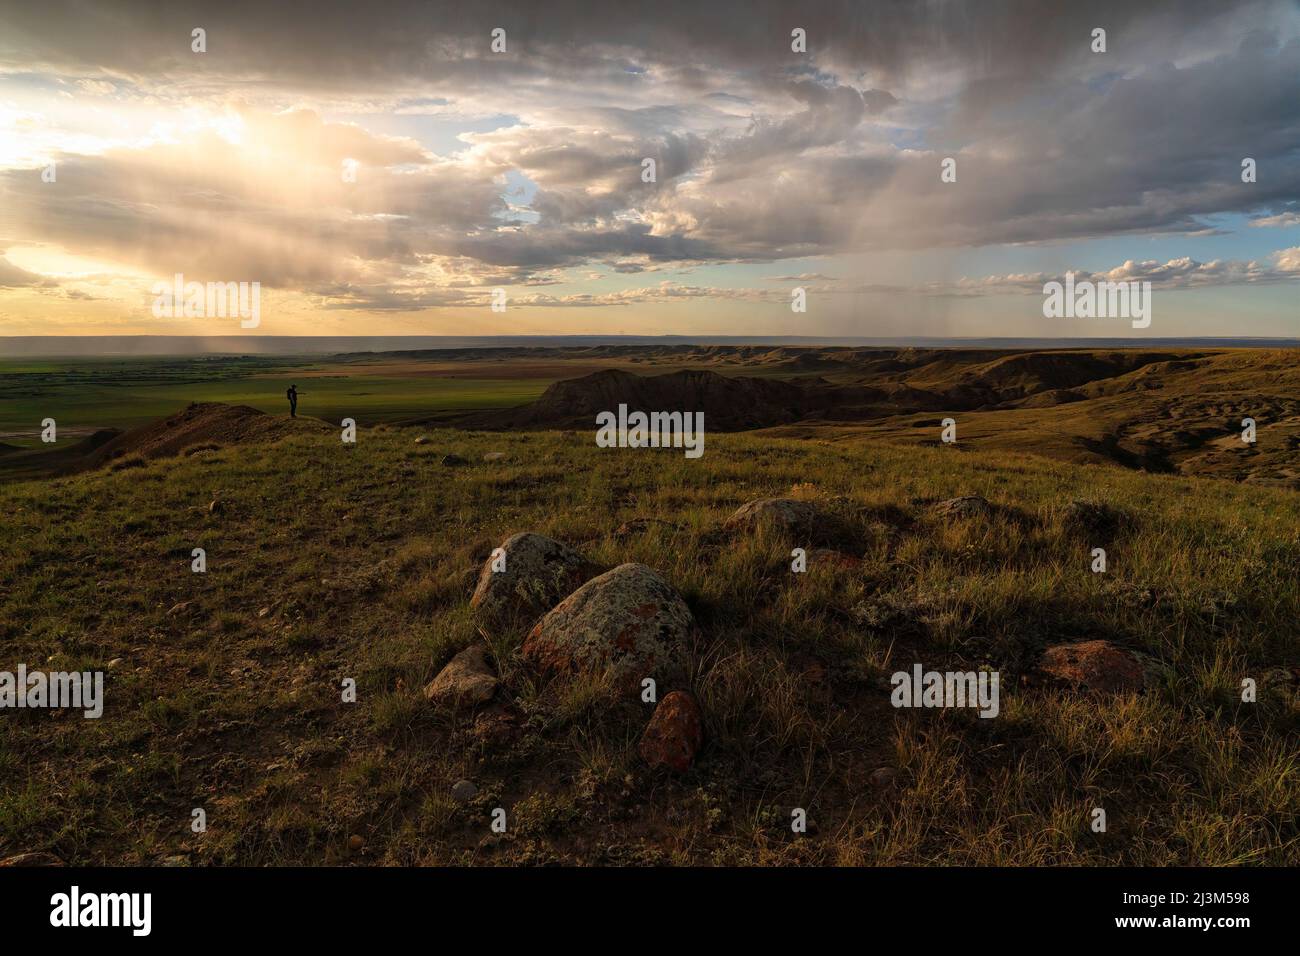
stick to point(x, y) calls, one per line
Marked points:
point(1173, 411)
point(329, 561)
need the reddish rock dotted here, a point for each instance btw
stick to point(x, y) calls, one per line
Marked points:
point(674, 733)
point(1094, 665)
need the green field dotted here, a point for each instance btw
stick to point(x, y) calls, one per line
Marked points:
point(83, 396)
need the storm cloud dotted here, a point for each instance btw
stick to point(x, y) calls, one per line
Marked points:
point(761, 154)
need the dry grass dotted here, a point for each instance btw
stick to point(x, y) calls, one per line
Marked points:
point(365, 557)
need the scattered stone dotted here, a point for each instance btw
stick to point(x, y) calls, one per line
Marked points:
point(494, 456)
point(422, 440)
point(355, 843)
point(36, 858)
point(674, 734)
point(451, 461)
point(539, 571)
point(113, 663)
point(466, 681)
point(464, 791)
point(967, 506)
point(264, 612)
point(788, 514)
point(883, 778)
point(1094, 665)
point(627, 623)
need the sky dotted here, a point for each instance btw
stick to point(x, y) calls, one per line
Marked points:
point(381, 169)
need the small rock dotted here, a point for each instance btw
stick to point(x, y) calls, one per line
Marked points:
point(464, 791)
point(422, 440)
point(494, 456)
point(264, 612)
point(179, 608)
point(882, 778)
point(466, 681)
point(674, 734)
point(967, 506)
point(788, 514)
point(628, 622)
point(355, 843)
point(452, 461)
point(1095, 666)
point(113, 663)
point(215, 506)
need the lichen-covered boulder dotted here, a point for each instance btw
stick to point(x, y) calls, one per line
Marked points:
point(529, 577)
point(628, 623)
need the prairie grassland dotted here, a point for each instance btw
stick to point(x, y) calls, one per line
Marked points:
point(328, 562)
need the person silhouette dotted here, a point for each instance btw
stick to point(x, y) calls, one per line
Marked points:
point(292, 395)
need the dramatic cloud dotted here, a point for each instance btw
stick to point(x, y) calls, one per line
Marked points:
point(528, 167)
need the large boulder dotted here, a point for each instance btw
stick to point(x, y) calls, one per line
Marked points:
point(538, 572)
point(787, 514)
point(628, 623)
point(466, 681)
point(674, 733)
point(1094, 666)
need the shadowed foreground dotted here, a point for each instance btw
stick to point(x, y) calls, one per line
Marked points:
point(328, 562)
